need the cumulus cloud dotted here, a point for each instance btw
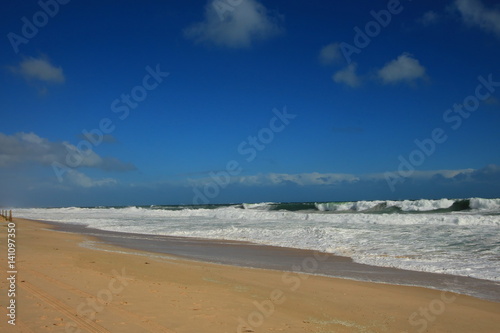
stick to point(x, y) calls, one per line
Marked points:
point(475, 13)
point(40, 69)
point(29, 148)
point(348, 76)
point(429, 18)
point(330, 54)
point(403, 69)
point(235, 26)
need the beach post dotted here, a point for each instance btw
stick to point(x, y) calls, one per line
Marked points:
point(10, 215)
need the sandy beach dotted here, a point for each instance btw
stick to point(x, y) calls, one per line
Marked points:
point(62, 286)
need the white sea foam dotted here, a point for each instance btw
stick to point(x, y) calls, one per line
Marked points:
point(260, 205)
point(462, 243)
point(404, 205)
point(485, 204)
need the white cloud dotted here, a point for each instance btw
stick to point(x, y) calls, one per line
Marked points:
point(235, 26)
point(429, 18)
point(475, 13)
point(40, 70)
point(447, 174)
point(337, 179)
point(314, 178)
point(81, 180)
point(270, 179)
point(348, 76)
point(330, 54)
point(403, 69)
point(22, 148)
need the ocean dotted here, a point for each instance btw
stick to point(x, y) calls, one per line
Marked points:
point(449, 236)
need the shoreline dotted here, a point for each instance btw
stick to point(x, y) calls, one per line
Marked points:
point(251, 255)
point(64, 286)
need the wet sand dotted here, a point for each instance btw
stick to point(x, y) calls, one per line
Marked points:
point(287, 259)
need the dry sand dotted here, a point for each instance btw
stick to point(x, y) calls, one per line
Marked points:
point(64, 287)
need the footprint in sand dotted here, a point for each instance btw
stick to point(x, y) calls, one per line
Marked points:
point(59, 321)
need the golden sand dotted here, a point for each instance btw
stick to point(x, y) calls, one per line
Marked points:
point(62, 286)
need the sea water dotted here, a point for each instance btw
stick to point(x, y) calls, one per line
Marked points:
point(458, 237)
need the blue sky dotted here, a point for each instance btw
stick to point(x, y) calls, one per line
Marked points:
point(246, 101)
